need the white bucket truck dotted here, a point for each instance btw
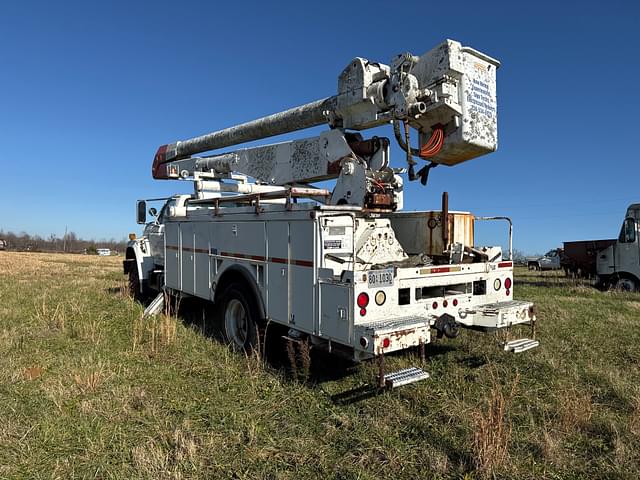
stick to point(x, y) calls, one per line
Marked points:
point(345, 268)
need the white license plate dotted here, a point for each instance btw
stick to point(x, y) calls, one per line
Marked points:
point(380, 278)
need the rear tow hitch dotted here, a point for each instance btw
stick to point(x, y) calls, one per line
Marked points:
point(446, 325)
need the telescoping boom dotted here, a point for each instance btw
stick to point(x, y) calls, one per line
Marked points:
point(447, 95)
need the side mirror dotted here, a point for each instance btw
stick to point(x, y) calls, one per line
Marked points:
point(141, 212)
point(153, 212)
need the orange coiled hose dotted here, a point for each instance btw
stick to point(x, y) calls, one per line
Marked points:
point(434, 144)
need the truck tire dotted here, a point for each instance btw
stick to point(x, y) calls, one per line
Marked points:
point(626, 284)
point(237, 314)
point(133, 285)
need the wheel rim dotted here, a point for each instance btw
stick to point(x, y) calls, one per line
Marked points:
point(236, 322)
point(626, 285)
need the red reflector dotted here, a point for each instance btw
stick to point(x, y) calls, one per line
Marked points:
point(505, 264)
point(363, 300)
point(445, 304)
point(507, 292)
point(363, 312)
point(507, 283)
point(455, 302)
point(386, 342)
point(434, 305)
point(440, 270)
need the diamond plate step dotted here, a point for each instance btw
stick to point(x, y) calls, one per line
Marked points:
point(521, 345)
point(155, 307)
point(405, 377)
point(385, 324)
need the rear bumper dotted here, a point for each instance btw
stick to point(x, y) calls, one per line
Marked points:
point(385, 336)
point(492, 316)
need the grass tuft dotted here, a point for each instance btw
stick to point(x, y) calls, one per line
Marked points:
point(492, 426)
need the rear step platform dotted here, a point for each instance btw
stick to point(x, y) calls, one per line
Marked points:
point(521, 345)
point(405, 377)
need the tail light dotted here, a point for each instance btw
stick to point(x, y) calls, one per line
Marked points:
point(507, 283)
point(363, 300)
point(386, 342)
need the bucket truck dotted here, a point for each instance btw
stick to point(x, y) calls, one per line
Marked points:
point(346, 269)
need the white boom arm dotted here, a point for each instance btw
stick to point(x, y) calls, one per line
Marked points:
point(448, 95)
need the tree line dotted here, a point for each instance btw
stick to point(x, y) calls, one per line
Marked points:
point(69, 243)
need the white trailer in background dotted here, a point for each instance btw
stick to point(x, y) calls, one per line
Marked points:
point(345, 269)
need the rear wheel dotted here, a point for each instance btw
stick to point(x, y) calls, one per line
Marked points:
point(626, 284)
point(238, 316)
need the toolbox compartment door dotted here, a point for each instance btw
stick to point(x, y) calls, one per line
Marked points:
point(187, 254)
point(172, 255)
point(336, 312)
point(302, 241)
point(277, 291)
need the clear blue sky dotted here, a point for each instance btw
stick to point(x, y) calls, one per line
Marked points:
point(89, 90)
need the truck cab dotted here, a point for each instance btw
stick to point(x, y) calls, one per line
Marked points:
point(619, 264)
point(144, 258)
point(548, 261)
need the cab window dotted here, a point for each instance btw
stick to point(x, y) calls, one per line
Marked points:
point(165, 210)
point(628, 232)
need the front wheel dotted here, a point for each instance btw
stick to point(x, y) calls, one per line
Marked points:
point(133, 285)
point(238, 315)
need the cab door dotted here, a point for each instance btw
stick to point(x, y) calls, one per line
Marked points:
point(155, 233)
point(627, 256)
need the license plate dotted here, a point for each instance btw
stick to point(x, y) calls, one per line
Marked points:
point(380, 278)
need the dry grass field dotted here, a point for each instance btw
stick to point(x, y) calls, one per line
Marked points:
point(89, 390)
